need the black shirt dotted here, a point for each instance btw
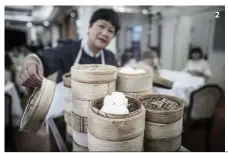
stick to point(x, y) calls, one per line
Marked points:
point(62, 58)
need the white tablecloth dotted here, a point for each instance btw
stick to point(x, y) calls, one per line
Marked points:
point(17, 110)
point(184, 84)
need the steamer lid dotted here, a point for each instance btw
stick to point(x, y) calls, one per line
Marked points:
point(38, 106)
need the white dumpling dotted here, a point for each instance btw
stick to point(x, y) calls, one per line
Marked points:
point(121, 97)
point(116, 103)
point(107, 99)
point(126, 69)
point(139, 71)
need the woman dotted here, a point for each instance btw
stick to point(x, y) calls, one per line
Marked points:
point(197, 65)
point(103, 27)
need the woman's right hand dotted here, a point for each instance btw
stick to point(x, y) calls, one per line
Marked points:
point(31, 74)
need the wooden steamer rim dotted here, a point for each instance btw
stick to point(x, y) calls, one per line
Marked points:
point(135, 75)
point(67, 80)
point(38, 106)
point(133, 123)
point(162, 116)
point(117, 117)
point(97, 74)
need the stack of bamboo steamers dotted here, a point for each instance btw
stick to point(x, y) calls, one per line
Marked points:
point(156, 128)
point(67, 106)
point(163, 126)
point(135, 85)
point(88, 83)
point(154, 122)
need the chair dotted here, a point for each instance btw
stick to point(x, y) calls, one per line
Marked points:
point(201, 112)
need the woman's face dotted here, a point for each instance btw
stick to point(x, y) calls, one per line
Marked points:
point(100, 33)
point(195, 56)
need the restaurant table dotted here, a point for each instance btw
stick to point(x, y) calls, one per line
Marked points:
point(183, 84)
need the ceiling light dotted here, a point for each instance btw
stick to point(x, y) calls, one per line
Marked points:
point(29, 24)
point(46, 23)
point(121, 9)
point(78, 23)
point(72, 14)
point(145, 11)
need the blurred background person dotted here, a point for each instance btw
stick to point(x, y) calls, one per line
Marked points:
point(197, 65)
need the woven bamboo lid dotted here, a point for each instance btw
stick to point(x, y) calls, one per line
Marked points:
point(93, 73)
point(67, 80)
point(162, 108)
point(38, 106)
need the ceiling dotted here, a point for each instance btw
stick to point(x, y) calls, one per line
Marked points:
point(35, 14)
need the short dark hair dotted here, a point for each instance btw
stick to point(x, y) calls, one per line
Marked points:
point(195, 50)
point(108, 15)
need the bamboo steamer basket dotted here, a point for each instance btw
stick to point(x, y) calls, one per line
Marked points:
point(134, 144)
point(67, 86)
point(164, 119)
point(163, 145)
point(67, 117)
point(114, 127)
point(78, 148)
point(67, 105)
point(69, 129)
point(134, 82)
point(38, 106)
point(163, 131)
point(80, 107)
point(69, 132)
point(136, 95)
point(80, 138)
point(67, 80)
point(67, 93)
point(79, 123)
point(87, 92)
point(162, 108)
point(93, 73)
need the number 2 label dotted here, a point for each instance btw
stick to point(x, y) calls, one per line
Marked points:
point(216, 14)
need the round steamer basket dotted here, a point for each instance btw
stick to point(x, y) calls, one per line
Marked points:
point(67, 93)
point(67, 80)
point(38, 106)
point(67, 117)
point(69, 133)
point(162, 145)
point(67, 87)
point(78, 148)
point(115, 127)
point(134, 82)
point(162, 108)
point(134, 144)
point(79, 123)
point(80, 138)
point(136, 95)
point(93, 73)
point(163, 131)
point(80, 107)
point(87, 92)
point(69, 130)
point(67, 105)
